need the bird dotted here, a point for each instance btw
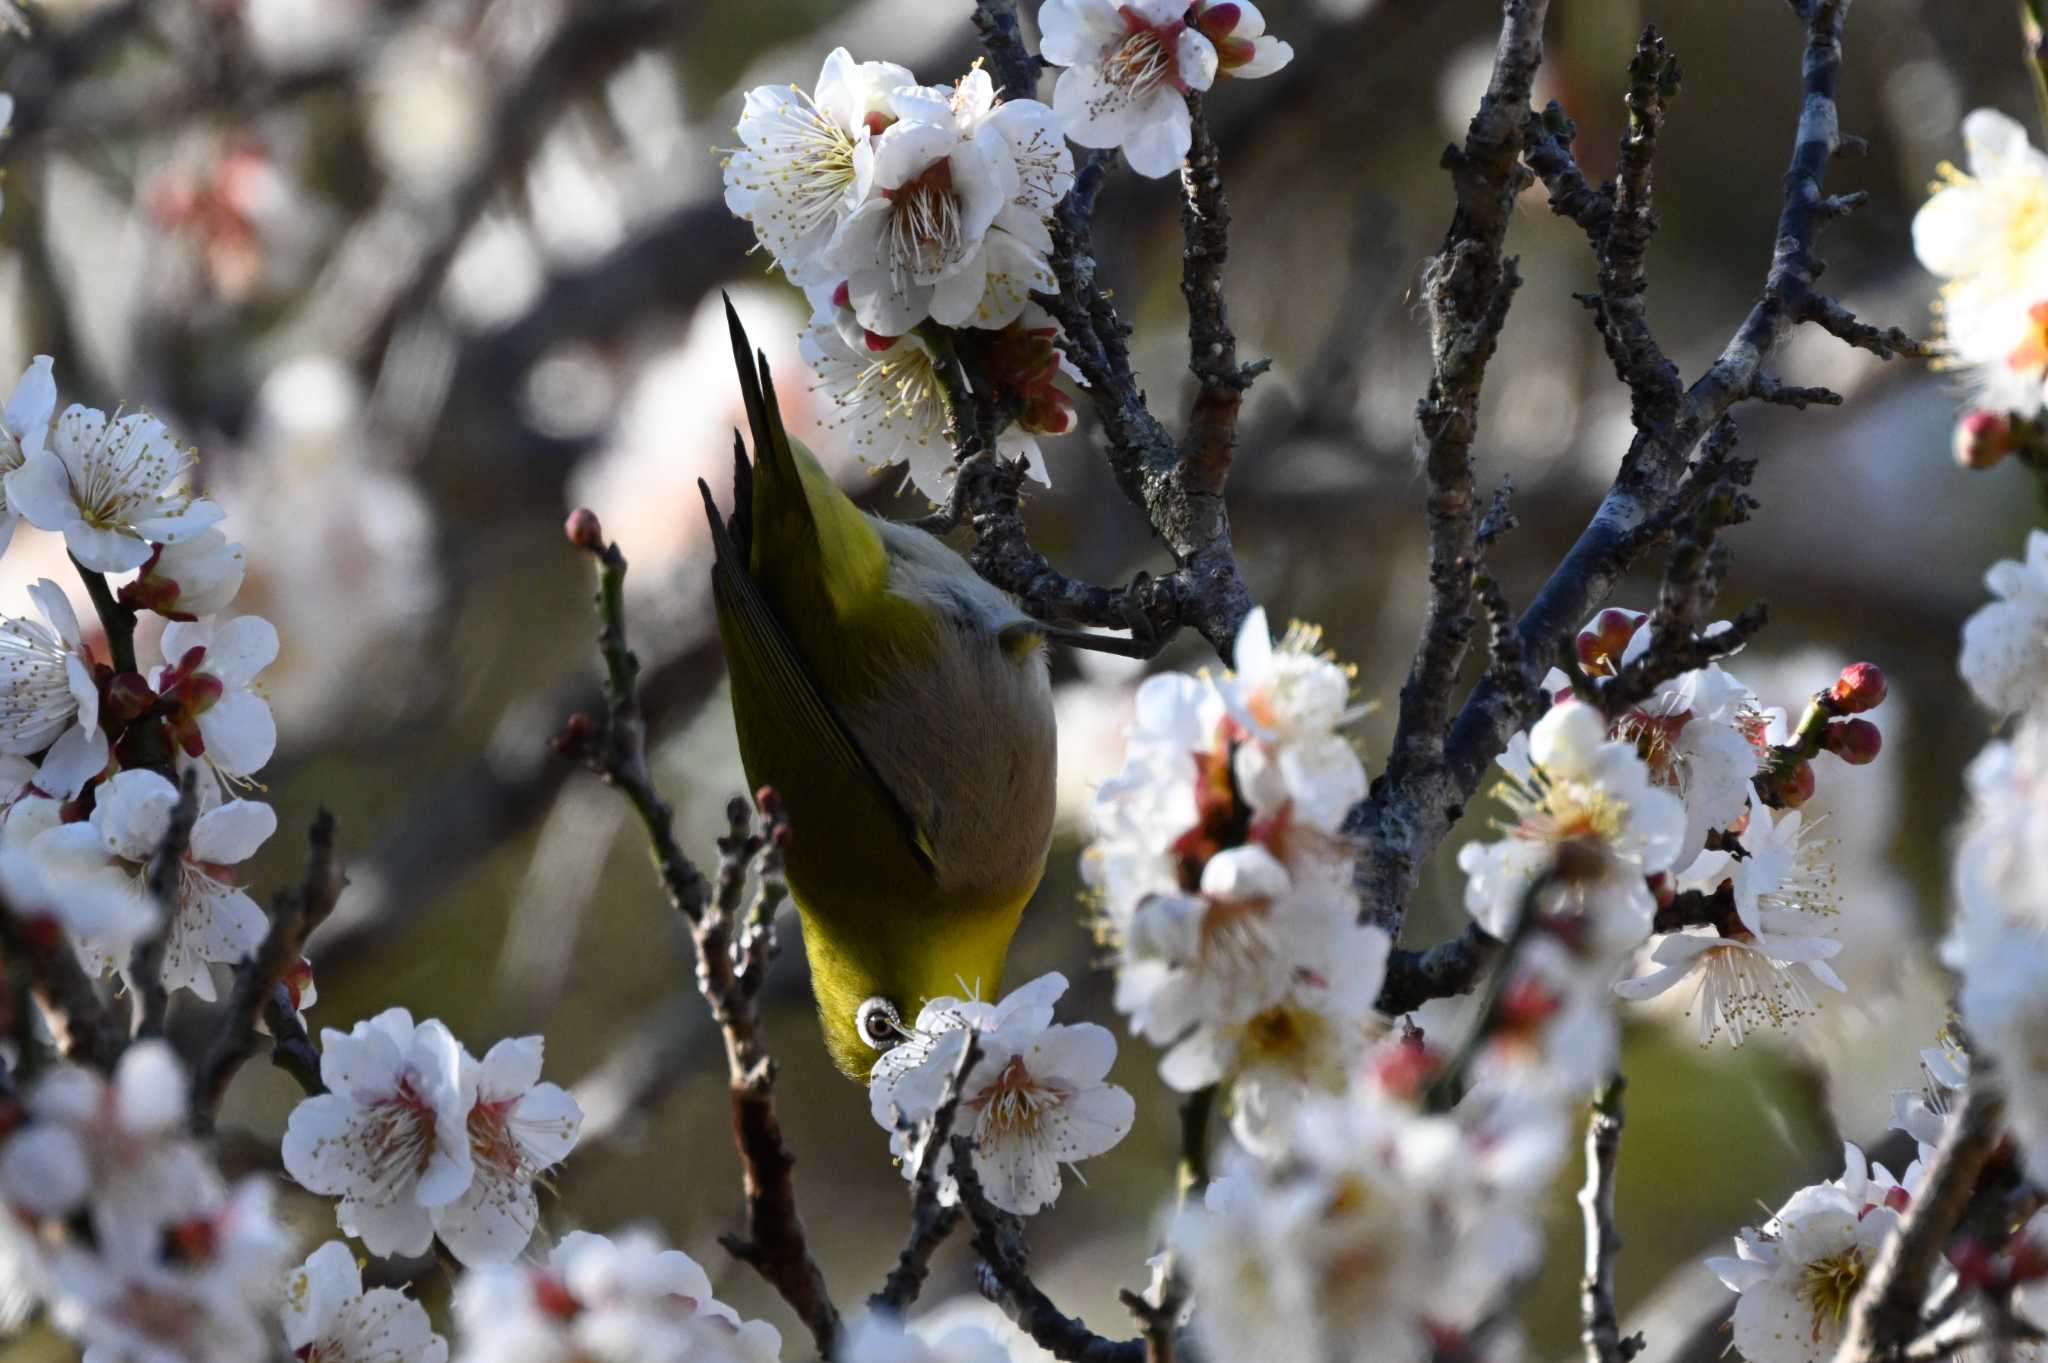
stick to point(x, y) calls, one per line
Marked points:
point(901, 708)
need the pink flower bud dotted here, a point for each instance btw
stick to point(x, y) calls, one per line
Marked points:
point(584, 531)
point(842, 297)
point(1983, 439)
point(1855, 741)
point(1860, 687)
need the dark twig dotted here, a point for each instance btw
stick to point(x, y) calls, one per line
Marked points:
point(1467, 288)
point(930, 1222)
point(1180, 497)
point(260, 978)
point(1404, 822)
point(1885, 1313)
point(1601, 1323)
point(150, 1001)
point(733, 948)
point(291, 1050)
point(1211, 436)
point(1005, 1278)
point(1624, 320)
point(78, 1018)
point(1444, 970)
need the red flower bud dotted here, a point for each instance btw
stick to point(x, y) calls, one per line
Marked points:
point(1219, 21)
point(1602, 643)
point(876, 341)
point(1855, 741)
point(842, 297)
point(1972, 1261)
point(128, 696)
point(584, 531)
point(1794, 788)
point(553, 1297)
point(2029, 1261)
point(1860, 687)
point(1982, 439)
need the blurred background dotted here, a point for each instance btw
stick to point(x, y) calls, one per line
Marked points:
point(417, 278)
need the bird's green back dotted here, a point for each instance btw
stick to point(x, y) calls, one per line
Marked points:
point(812, 633)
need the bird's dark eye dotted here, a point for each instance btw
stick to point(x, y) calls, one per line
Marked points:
point(878, 1023)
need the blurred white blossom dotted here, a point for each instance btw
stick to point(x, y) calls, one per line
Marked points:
point(329, 1318)
point(2005, 644)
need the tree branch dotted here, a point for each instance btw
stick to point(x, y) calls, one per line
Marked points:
point(733, 947)
point(930, 1222)
point(150, 1001)
point(1467, 288)
point(1005, 1278)
point(1885, 1314)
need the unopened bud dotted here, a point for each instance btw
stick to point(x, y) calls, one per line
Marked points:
point(1602, 643)
point(2028, 1261)
point(1972, 1261)
point(1855, 741)
point(584, 531)
point(578, 731)
point(553, 1297)
point(1982, 439)
point(1215, 21)
point(1860, 687)
point(769, 801)
point(1793, 789)
point(128, 696)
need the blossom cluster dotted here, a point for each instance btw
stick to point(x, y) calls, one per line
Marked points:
point(419, 1139)
point(1981, 234)
point(919, 219)
point(121, 1224)
point(1380, 1230)
point(1677, 818)
point(1222, 882)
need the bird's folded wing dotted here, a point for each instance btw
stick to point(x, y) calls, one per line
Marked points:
point(766, 665)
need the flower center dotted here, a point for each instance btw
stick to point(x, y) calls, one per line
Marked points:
point(400, 1137)
point(125, 474)
point(927, 231)
point(1016, 1102)
point(810, 161)
point(1144, 61)
point(491, 1142)
point(1828, 1285)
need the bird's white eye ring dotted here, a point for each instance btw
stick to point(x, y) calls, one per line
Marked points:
point(878, 1023)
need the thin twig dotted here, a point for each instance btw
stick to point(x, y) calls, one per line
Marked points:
point(775, 1244)
point(1449, 968)
point(1600, 1323)
point(1006, 1278)
point(150, 1000)
point(84, 1027)
point(259, 978)
point(930, 1221)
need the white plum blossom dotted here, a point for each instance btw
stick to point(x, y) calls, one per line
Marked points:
point(807, 160)
point(1999, 940)
point(886, 402)
point(1985, 232)
point(1798, 1273)
point(48, 698)
point(518, 1128)
point(2005, 644)
point(196, 1284)
point(1291, 1258)
point(1585, 806)
point(195, 577)
point(390, 1137)
point(880, 1338)
point(93, 905)
point(950, 230)
point(1036, 1098)
point(1292, 698)
point(211, 670)
point(329, 1318)
point(24, 427)
point(1129, 70)
point(118, 1142)
point(113, 488)
point(217, 922)
point(1555, 1034)
point(598, 1300)
point(1927, 1114)
point(1765, 968)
